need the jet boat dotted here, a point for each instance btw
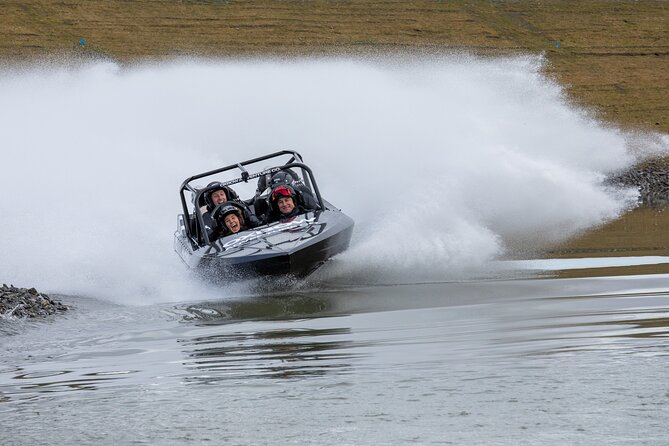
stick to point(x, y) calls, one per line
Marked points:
point(289, 248)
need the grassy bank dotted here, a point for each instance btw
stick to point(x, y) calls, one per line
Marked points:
point(613, 56)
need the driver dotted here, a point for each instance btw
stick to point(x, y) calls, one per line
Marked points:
point(287, 177)
point(285, 204)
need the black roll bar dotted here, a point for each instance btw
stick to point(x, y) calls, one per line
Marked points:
point(294, 161)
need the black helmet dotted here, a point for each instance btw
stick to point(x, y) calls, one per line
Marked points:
point(287, 177)
point(213, 187)
point(224, 209)
point(263, 183)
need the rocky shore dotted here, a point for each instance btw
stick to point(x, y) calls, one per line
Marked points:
point(652, 180)
point(27, 303)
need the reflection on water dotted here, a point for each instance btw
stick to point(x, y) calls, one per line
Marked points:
point(269, 354)
point(289, 305)
point(28, 385)
point(330, 334)
point(333, 366)
point(630, 324)
point(477, 321)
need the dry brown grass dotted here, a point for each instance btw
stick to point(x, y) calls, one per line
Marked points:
point(613, 55)
point(642, 232)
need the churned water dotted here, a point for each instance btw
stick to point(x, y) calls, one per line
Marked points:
point(422, 333)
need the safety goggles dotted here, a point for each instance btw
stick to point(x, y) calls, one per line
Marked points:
point(281, 192)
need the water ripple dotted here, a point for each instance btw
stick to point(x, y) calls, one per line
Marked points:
point(270, 354)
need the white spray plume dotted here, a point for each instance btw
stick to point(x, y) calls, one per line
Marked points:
point(443, 162)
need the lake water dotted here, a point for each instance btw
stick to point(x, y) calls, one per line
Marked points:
point(528, 360)
point(496, 292)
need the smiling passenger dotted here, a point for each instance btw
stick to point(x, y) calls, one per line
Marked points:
point(230, 218)
point(285, 204)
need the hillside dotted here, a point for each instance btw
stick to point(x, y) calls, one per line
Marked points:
point(613, 56)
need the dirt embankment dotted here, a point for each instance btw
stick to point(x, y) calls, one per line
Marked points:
point(612, 56)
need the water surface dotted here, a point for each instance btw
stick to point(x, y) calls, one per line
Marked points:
point(534, 361)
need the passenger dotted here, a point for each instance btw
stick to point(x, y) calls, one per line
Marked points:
point(263, 184)
point(232, 217)
point(218, 196)
point(234, 222)
point(270, 181)
point(285, 205)
point(214, 195)
point(286, 177)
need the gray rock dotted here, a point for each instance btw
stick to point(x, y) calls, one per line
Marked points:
point(651, 178)
point(27, 303)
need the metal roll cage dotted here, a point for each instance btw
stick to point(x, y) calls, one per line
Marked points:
point(245, 176)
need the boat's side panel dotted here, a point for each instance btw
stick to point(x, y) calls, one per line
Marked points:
point(296, 249)
point(305, 261)
point(182, 245)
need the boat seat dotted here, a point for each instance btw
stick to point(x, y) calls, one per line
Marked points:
point(260, 206)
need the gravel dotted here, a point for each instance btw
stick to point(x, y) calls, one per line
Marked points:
point(27, 303)
point(651, 178)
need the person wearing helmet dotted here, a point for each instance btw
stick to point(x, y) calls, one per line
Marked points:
point(211, 197)
point(263, 183)
point(217, 193)
point(268, 182)
point(217, 197)
point(232, 217)
point(285, 204)
point(302, 196)
point(283, 200)
point(285, 177)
